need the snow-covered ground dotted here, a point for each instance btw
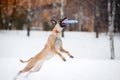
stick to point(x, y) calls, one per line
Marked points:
point(91, 56)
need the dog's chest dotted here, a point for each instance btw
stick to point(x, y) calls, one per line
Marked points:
point(58, 42)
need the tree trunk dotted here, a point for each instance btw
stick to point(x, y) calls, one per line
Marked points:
point(111, 15)
point(62, 13)
point(29, 18)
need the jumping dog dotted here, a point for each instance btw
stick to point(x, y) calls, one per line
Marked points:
point(52, 47)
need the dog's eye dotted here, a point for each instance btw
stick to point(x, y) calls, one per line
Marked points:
point(53, 21)
point(59, 22)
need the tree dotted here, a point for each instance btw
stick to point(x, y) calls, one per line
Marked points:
point(111, 13)
point(117, 17)
point(100, 17)
point(19, 17)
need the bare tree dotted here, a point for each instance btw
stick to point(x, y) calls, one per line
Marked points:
point(111, 13)
point(62, 14)
point(28, 17)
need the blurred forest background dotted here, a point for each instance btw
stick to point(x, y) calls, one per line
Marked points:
point(92, 15)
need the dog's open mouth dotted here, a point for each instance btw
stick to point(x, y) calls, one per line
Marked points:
point(63, 24)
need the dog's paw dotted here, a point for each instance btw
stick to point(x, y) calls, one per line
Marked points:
point(71, 56)
point(64, 59)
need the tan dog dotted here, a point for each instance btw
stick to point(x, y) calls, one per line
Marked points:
point(51, 48)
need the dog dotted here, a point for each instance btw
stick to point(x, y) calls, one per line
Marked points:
point(52, 47)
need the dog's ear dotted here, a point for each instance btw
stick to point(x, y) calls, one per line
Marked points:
point(61, 22)
point(63, 19)
point(54, 21)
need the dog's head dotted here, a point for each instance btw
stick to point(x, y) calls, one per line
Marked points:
point(59, 25)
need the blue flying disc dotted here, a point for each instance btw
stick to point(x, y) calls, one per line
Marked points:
point(70, 21)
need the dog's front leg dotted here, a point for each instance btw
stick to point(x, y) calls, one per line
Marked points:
point(59, 54)
point(51, 41)
point(63, 50)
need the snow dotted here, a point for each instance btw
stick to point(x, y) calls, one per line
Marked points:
point(91, 56)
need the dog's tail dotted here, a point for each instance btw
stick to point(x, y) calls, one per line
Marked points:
point(25, 61)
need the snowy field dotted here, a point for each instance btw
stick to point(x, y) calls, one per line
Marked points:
point(91, 56)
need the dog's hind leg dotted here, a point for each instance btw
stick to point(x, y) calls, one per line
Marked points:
point(28, 67)
point(36, 68)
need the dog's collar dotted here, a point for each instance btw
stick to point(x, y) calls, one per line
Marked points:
point(56, 31)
